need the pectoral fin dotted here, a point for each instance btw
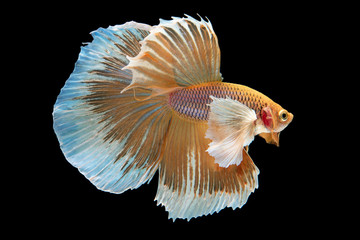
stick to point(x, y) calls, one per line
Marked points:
point(271, 137)
point(231, 127)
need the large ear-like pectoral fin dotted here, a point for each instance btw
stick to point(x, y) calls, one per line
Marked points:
point(231, 127)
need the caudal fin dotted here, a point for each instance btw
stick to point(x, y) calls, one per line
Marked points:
point(113, 139)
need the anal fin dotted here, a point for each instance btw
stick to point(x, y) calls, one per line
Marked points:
point(271, 138)
point(191, 184)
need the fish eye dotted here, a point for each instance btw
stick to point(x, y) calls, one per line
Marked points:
point(283, 114)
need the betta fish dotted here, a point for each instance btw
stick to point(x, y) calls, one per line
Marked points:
point(143, 99)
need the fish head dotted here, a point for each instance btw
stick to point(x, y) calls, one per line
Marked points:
point(275, 119)
point(282, 118)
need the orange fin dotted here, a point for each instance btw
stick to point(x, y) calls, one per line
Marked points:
point(271, 138)
point(191, 184)
point(177, 53)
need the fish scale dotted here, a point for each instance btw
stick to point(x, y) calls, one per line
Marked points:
point(192, 102)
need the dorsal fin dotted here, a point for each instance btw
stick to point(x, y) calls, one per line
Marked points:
point(177, 53)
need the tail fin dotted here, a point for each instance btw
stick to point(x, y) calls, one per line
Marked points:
point(114, 140)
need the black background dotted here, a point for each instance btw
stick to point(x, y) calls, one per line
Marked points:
point(277, 49)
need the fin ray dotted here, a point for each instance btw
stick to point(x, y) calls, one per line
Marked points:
point(97, 127)
point(191, 184)
point(231, 127)
point(182, 52)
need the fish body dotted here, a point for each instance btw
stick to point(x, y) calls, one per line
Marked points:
point(193, 102)
point(146, 98)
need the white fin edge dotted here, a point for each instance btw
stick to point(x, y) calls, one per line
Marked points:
point(177, 53)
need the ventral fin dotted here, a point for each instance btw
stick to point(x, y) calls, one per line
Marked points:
point(177, 53)
point(271, 138)
point(231, 127)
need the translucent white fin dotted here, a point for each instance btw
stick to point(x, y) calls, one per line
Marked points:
point(114, 140)
point(191, 184)
point(231, 127)
point(177, 53)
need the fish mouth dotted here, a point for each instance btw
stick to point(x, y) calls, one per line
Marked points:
point(291, 117)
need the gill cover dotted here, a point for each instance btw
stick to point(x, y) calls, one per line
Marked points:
point(268, 119)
